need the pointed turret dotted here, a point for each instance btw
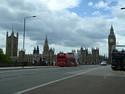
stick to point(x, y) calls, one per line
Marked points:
point(46, 46)
point(111, 43)
point(46, 51)
point(12, 34)
point(17, 34)
point(112, 34)
point(112, 30)
point(37, 49)
point(11, 44)
point(46, 41)
point(7, 34)
point(34, 51)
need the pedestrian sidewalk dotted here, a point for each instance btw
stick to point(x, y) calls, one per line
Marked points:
point(26, 67)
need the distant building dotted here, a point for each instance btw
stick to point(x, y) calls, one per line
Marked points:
point(12, 44)
point(48, 54)
point(111, 43)
point(37, 57)
point(95, 55)
point(24, 59)
point(46, 51)
point(36, 51)
point(51, 57)
point(83, 56)
point(47, 58)
point(29, 59)
point(88, 58)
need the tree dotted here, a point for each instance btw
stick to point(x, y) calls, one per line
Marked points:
point(4, 58)
point(1, 51)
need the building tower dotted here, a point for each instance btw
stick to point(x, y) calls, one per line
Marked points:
point(51, 56)
point(36, 51)
point(83, 55)
point(111, 44)
point(95, 55)
point(46, 50)
point(11, 44)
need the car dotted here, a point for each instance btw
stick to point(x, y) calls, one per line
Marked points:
point(103, 63)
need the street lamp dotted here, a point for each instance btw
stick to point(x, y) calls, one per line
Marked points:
point(24, 30)
point(122, 8)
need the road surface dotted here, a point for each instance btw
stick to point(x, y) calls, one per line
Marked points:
point(85, 79)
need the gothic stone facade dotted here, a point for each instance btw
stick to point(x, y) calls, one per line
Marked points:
point(111, 44)
point(11, 44)
point(38, 59)
point(86, 58)
point(48, 54)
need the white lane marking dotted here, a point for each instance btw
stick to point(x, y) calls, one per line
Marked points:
point(58, 80)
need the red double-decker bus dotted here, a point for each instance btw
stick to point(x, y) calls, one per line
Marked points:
point(66, 60)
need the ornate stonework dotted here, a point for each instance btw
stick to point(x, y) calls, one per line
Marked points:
point(89, 58)
point(111, 43)
point(11, 44)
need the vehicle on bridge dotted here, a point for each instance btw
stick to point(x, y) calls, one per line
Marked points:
point(66, 60)
point(118, 58)
point(103, 63)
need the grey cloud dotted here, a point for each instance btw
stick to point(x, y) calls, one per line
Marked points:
point(62, 28)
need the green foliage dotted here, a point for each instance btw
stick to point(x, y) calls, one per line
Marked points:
point(4, 58)
point(1, 51)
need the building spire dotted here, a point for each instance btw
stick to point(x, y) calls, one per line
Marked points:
point(37, 49)
point(46, 46)
point(111, 30)
point(46, 40)
point(7, 34)
point(12, 31)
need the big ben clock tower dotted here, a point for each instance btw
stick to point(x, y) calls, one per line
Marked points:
point(111, 44)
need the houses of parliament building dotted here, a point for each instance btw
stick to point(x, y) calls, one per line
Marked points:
point(20, 57)
point(48, 56)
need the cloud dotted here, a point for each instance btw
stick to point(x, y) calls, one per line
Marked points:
point(96, 13)
point(102, 4)
point(118, 18)
point(61, 4)
point(90, 4)
point(65, 29)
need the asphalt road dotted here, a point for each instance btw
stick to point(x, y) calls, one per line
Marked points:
point(86, 79)
point(15, 80)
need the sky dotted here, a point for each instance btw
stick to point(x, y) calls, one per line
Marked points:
point(68, 24)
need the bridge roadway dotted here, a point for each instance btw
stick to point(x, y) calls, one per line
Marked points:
point(85, 79)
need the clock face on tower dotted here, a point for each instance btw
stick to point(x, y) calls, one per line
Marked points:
point(111, 40)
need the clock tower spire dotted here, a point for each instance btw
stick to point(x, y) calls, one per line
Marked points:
point(111, 43)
